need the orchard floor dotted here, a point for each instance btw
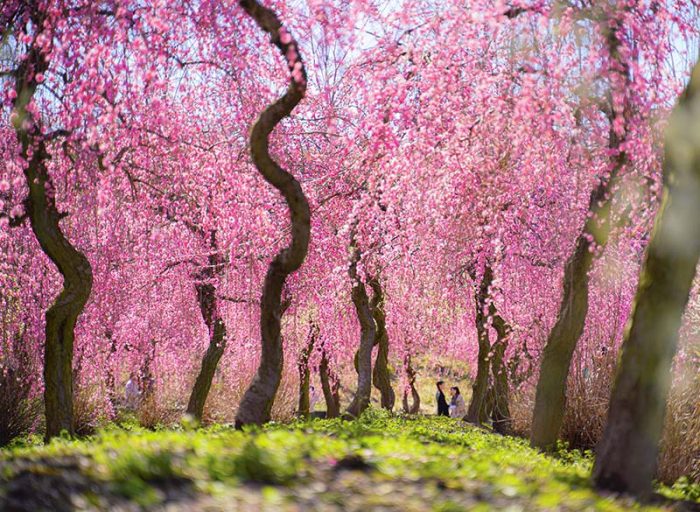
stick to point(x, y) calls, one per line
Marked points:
point(375, 463)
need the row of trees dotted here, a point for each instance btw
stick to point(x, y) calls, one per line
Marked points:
point(446, 163)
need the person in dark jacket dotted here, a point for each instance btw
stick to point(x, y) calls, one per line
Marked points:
point(443, 409)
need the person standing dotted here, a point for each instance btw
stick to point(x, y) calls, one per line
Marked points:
point(442, 408)
point(458, 408)
point(313, 400)
point(132, 394)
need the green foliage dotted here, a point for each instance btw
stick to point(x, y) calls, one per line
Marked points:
point(439, 461)
point(683, 489)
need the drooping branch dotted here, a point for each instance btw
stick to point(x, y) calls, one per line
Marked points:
point(257, 401)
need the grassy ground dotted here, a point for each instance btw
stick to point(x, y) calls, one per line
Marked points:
point(375, 463)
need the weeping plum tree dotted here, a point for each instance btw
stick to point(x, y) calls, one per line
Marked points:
point(45, 219)
point(626, 456)
point(257, 401)
point(550, 397)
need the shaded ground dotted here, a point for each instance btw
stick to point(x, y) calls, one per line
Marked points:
point(376, 463)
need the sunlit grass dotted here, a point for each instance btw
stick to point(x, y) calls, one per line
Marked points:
point(470, 463)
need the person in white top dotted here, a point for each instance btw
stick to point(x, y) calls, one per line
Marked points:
point(313, 400)
point(457, 407)
point(132, 392)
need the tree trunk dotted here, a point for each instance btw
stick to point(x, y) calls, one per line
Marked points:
point(627, 453)
point(550, 397)
point(330, 389)
point(111, 379)
point(500, 413)
point(209, 308)
point(368, 332)
point(146, 380)
point(477, 410)
point(304, 374)
point(74, 267)
point(380, 374)
point(257, 401)
point(415, 397)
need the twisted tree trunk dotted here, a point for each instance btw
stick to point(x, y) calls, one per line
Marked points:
point(330, 389)
point(380, 373)
point(304, 374)
point(477, 411)
point(550, 397)
point(74, 267)
point(209, 307)
point(626, 457)
point(415, 397)
point(368, 332)
point(257, 401)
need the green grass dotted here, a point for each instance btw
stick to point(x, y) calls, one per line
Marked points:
point(378, 461)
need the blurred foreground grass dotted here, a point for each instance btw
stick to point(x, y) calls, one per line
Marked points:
point(375, 463)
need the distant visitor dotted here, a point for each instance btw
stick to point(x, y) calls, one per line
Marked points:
point(457, 407)
point(443, 408)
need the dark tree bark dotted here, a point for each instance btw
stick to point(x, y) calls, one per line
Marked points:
point(368, 331)
point(304, 373)
point(626, 457)
point(415, 397)
point(550, 397)
point(380, 374)
point(74, 267)
point(500, 413)
point(111, 379)
point(477, 411)
point(146, 380)
point(209, 307)
point(490, 389)
point(257, 401)
point(329, 384)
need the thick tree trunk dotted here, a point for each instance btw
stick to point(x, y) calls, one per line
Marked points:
point(627, 453)
point(550, 397)
point(304, 373)
point(368, 332)
point(74, 267)
point(209, 308)
point(380, 374)
point(477, 411)
point(330, 387)
point(257, 401)
point(415, 397)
